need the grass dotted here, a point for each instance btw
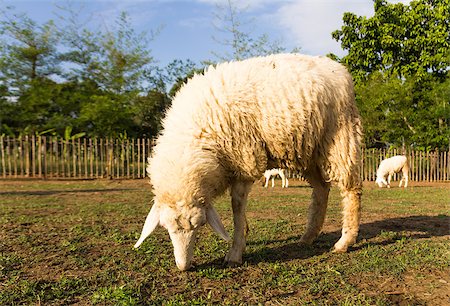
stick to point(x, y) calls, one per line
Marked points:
point(70, 242)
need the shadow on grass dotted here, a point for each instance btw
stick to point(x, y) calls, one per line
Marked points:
point(65, 191)
point(414, 227)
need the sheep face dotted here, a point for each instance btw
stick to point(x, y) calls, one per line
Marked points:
point(381, 182)
point(183, 228)
point(182, 222)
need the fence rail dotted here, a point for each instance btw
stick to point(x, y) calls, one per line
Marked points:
point(89, 158)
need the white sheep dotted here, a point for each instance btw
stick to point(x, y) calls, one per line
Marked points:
point(272, 173)
point(390, 166)
point(227, 126)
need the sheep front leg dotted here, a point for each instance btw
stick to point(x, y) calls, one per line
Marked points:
point(318, 206)
point(267, 182)
point(351, 203)
point(389, 180)
point(239, 193)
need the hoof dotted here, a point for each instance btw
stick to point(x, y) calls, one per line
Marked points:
point(340, 249)
point(231, 264)
point(306, 241)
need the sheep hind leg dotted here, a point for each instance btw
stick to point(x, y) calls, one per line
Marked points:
point(318, 206)
point(351, 202)
point(239, 193)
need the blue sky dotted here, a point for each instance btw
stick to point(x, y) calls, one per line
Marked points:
point(187, 27)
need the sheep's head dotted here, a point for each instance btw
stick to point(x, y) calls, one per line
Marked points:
point(182, 222)
point(381, 182)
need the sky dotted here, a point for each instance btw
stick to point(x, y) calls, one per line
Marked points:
point(188, 29)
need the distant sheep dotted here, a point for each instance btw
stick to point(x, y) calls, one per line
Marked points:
point(390, 166)
point(226, 127)
point(271, 173)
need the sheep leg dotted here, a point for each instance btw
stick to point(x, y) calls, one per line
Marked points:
point(283, 179)
point(351, 203)
point(239, 193)
point(389, 180)
point(267, 182)
point(318, 206)
point(273, 181)
point(404, 179)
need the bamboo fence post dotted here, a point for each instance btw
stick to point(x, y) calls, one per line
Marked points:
point(107, 158)
point(446, 166)
point(91, 159)
point(139, 157)
point(21, 162)
point(39, 157)
point(110, 148)
point(14, 157)
point(44, 156)
point(63, 157)
point(143, 158)
point(54, 164)
point(128, 158)
point(123, 158)
point(102, 157)
point(96, 157)
point(132, 159)
point(117, 157)
point(79, 156)
point(8, 154)
point(27, 157)
point(2, 148)
point(86, 160)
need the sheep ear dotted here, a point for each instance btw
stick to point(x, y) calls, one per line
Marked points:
point(150, 224)
point(214, 220)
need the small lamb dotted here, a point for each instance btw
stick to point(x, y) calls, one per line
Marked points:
point(271, 173)
point(390, 166)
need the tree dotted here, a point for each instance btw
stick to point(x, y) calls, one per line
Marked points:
point(241, 44)
point(29, 51)
point(400, 60)
point(404, 40)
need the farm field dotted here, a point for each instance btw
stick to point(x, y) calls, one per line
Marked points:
point(68, 242)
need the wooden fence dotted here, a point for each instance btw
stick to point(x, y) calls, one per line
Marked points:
point(89, 158)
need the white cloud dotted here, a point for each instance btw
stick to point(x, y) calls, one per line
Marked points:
point(244, 4)
point(309, 23)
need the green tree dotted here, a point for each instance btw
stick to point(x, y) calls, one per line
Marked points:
point(400, 60)
point(237, 39)
point(29, 51)
point(404, 40)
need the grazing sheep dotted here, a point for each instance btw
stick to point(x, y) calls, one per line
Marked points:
point(226, 127)
point(390, 166)
point(271, 173)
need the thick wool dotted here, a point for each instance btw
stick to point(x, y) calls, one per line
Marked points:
point(227, 126)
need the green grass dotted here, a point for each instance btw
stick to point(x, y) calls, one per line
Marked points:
point(70, 242)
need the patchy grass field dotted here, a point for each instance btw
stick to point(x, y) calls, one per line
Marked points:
point(70, 242)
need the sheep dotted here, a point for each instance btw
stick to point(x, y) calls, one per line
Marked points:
point(228, 125)
point(271, 173)
point(390, 166)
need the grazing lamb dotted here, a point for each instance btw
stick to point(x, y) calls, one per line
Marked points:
point(227, 126)
point(390, 166)
point(271, 173)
